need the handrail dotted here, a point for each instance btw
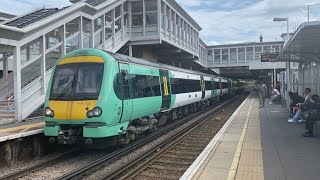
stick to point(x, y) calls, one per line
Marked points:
point(9, 106)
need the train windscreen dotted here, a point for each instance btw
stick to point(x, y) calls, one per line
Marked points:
point(77, 81)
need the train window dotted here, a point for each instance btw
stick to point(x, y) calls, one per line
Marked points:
point(217, 85)
point(146, 86)
point(122, 81)
point(184, 85)
point(208, 85)
point(224, 85)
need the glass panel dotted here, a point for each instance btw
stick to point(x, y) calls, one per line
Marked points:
point(224, 56)
point(210, 58)
point(125, 19)
point(72, 27)
point(137, 20)
point(136, 7)
point(151, 18)
point(233, 55)
point(97, 39)
point(249, 54)
point(150, 5)
point(31, 72)
point(241, 55)
point(217, 56)
point(117, 11)
point(258, 51)
point(52, 57)
point(125, 6)
point(30, 51)
point(54, 37)
point(276, 48)
point(163, 6)
point(72, 44)
point(98, 23)
point(86, 27)
point(266, 48)
point(117, 26)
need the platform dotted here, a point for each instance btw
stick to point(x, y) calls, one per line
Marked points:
point(258, 143)
point(21, 129)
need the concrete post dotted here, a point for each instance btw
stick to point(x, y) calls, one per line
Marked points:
point(130, 51)
point(300, 79)
point(64, 40)
point(5, 65)
point(104, 32)
point(81, 32)
point(43, 65)
point(92, 34)
point(17, 83)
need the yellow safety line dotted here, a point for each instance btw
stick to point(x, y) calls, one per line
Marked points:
point(22, 127)
point(236, 159)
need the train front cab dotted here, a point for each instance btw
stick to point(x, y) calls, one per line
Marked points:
point(80, 89)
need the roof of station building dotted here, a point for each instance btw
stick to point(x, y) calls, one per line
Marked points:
point(304, 45)
point(247, 44)
point(31, 17)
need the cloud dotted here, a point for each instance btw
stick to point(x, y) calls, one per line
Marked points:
point(244, 21)
point(18, 7)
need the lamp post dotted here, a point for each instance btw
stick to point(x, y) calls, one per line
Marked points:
point(288, 62)
point(309, 8)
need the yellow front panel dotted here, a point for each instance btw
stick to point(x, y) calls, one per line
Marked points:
point(71, 110)
point(81, 59)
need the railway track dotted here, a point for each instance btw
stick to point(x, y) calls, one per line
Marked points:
point(112, 157)
point(36, 167)
point(172, 158)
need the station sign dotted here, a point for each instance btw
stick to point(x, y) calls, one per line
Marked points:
point(269, 57)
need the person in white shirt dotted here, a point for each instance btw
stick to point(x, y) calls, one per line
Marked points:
point(275, 95)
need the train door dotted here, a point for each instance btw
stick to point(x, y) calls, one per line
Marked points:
point(165, 89)
point(127, 92)
point(220, 86)
point(203, 88)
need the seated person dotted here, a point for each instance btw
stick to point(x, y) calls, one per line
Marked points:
point(297, 117)
point(312, 115)
point(296, 101)
point(275, 95)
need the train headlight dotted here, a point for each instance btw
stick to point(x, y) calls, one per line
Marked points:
point(95, 112)
point(48, 112)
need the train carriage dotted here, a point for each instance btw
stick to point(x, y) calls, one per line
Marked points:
point(96, 95)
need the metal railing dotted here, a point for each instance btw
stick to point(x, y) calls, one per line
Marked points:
point(9, 108)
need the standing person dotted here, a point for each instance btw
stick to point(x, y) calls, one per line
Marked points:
point(262, 89)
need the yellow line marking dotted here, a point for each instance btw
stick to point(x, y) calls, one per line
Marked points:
point(22, 127)
point(236, 159)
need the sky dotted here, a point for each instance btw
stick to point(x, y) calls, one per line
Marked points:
point(222, 21)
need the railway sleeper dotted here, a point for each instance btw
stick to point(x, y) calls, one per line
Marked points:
point(153, 175)
point(183, 152)
point(168, 168)
point(172, 162)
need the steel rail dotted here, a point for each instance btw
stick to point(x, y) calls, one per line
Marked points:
point(42, 165)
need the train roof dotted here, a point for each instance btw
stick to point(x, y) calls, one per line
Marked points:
point(124, 58)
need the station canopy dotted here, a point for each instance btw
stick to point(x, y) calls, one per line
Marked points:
point(304, 45)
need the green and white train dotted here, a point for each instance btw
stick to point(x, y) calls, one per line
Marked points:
point(96, 96)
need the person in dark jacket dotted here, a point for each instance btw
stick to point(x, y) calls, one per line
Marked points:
point(313, 114)
point(295, 101)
